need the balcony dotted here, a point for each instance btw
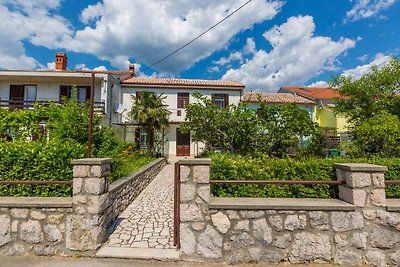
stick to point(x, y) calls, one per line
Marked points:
point(99, 107)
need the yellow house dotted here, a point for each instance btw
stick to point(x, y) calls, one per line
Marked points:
point(324, 110)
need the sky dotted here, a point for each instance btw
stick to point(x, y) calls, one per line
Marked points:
point(265, 45)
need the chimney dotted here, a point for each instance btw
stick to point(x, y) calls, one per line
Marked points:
point(132, 69)
point(61, 61)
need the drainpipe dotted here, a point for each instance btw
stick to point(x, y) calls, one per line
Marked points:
point(91, 111)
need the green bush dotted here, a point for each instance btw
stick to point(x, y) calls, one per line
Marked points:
point(48, 158)
point(28, 161)
point(234, 167)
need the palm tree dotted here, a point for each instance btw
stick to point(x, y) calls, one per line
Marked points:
point(150, 112)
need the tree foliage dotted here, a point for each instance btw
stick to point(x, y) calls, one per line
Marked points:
point(379, 135)
point(273, 130)
point(376, 91)
point(149, 111)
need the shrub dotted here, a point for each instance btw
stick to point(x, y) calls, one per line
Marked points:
point(29, 161)
point(48, 158)
point(234, 167)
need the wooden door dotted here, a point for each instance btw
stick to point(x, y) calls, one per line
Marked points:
point(182, 143)
point(17, 96)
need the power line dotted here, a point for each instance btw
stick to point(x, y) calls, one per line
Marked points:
point(378, 65)
point(197, 37)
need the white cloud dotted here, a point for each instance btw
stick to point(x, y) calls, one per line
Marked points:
point(149, 30)
point(51, 65)
point(28, 21)
point(296, 56)
point(363, 58)
point(319, 84)
point(234, 56)
point(92, 13)
point(81, 66)
point(250, 47)
point(367, 8)
point(379, 61)
point(100, 68)
point(213, 69)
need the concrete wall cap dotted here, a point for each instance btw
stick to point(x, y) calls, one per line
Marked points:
point(35, 202)
point(199, 161)
point(360, 167)
point(91, 161)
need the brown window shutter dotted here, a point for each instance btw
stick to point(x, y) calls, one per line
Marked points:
point(213, 98)
point(226, 100)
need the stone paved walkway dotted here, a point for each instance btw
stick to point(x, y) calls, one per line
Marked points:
point(148, 221)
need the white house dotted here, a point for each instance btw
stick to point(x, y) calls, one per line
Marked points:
point(179, 93)
point(22, 88)
point(113, 96)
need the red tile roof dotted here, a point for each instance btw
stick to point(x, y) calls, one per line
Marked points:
point(278, 98)
point(313, 92)
point(181, 82)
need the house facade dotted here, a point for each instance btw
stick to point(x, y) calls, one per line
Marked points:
point(324, 109)
point(253, 100)
point(178, 93)
point(23, 88)
point(113, 97)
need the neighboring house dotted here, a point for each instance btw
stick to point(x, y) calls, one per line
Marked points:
point(324, 112)
point(253, 100)
point(179, 93)
point(23, 88)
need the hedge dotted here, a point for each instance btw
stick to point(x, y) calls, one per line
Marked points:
point(51, 161)
point(235, 167)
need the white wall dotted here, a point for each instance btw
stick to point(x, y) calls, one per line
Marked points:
point(45, 90)
point(172, 98)
point(172, 102)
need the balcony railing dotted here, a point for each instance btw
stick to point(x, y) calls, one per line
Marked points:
point(99, 107)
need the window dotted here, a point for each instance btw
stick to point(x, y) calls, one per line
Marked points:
point(83, 93)
point(221, 100)
point(30, 92)
point(65, 91)
point(183, 100)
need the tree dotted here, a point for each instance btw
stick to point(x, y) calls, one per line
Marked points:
point(366, 97)
point(379, 135)
point(285, 127)
point(272, 130)
point(229, 129)
point(150, 112)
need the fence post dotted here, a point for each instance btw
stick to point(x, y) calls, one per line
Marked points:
point(86, 226)
point(365, 184)
point(194, 202)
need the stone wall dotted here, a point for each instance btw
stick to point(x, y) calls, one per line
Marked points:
point(33, 226)
point(123, 191)
point(71, 226)
point(355, 230)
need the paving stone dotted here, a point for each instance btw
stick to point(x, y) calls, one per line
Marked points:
point(147, 222)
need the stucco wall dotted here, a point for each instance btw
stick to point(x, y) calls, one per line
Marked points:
point(45, 90)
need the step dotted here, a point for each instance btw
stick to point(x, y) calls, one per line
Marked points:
point(139, 253)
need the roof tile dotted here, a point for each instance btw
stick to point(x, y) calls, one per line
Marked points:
point(182, 82)
point(278, 98)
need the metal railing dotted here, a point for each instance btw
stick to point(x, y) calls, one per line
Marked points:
point(177, 202)
point(99, 107)
point(264, 182)
point(36, 182)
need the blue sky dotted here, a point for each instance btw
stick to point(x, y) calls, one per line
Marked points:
point(265, 45)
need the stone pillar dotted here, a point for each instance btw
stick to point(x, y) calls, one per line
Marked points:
point(365, 184)
point(86, 226)
point(194, 203)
